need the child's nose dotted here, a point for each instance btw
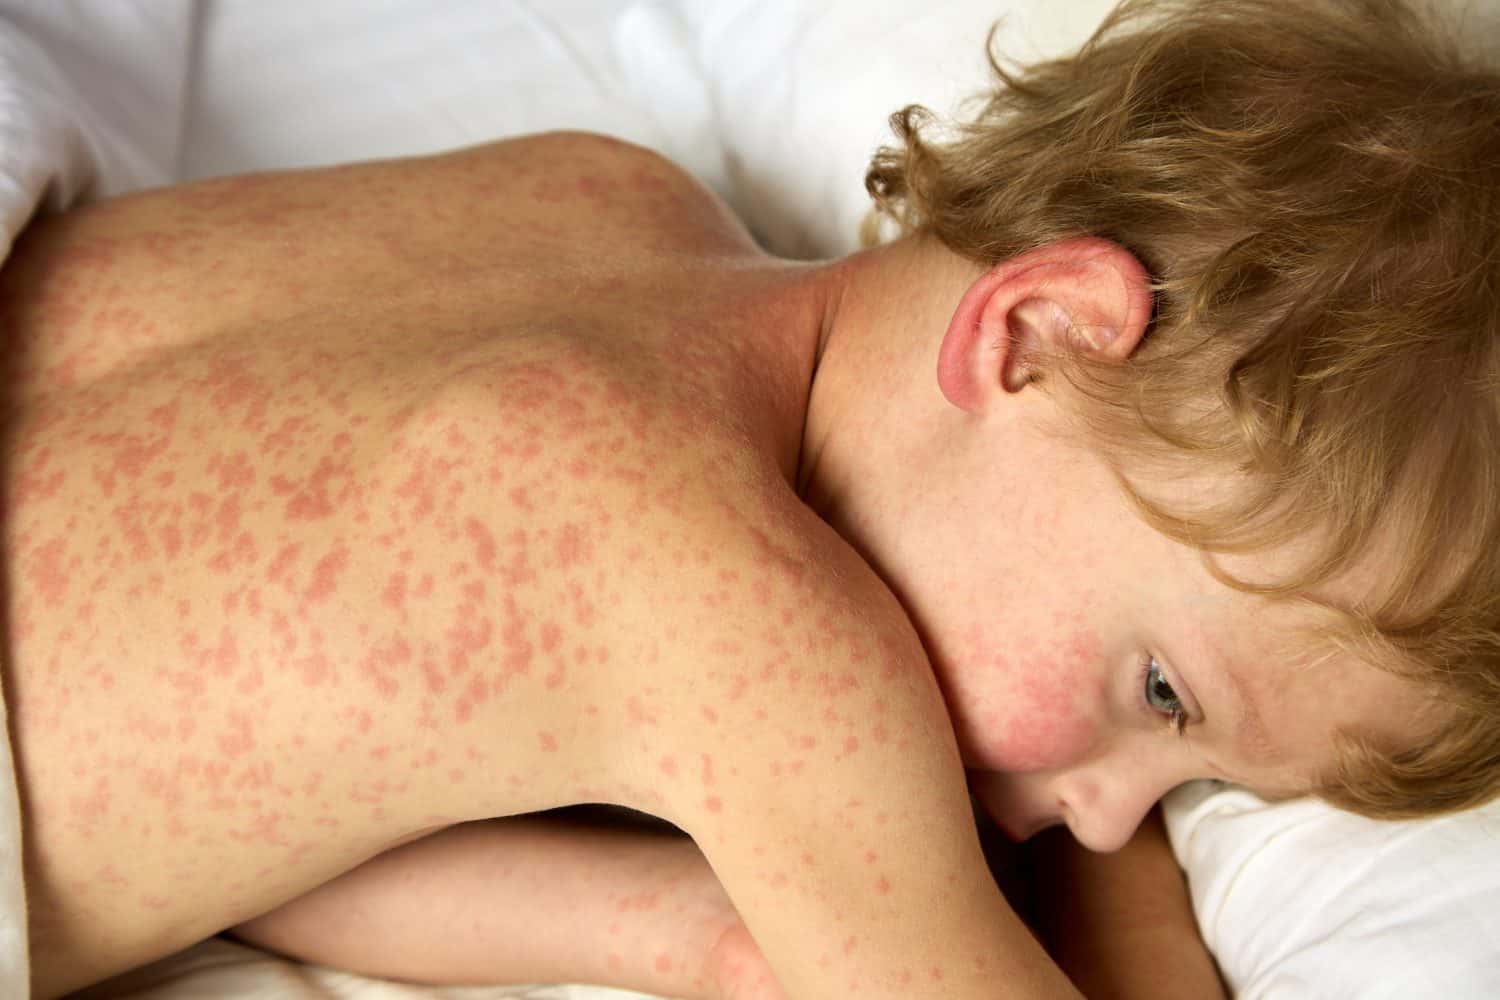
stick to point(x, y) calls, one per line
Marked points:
point(1104, 812)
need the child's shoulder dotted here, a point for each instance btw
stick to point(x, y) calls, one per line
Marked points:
point(614, 190)
point(782, 658)
point(796, 731)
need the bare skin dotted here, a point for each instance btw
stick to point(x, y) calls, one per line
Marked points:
point(530, 900)
point(345, 506)
point(547, 900)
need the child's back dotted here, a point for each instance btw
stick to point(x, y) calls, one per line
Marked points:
point(348, 505)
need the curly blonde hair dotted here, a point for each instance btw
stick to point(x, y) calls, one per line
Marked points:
point(1315, 190)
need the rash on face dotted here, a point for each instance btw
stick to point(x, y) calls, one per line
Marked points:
point(1030, 710)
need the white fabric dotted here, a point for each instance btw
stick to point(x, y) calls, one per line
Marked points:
point(15, 980)
point(777, 104)
point(291, 83)
point(1298, 900)
point(90, 100)
point(802, 91)
point(222, 968)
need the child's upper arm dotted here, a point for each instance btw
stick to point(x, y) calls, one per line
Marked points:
point(863, 876)
point(829, 796)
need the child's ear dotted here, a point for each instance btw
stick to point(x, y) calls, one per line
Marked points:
point(1086, 290)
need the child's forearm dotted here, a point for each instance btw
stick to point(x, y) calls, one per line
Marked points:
point(519, 900)
point(1121, 925)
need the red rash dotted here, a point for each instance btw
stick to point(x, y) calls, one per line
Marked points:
point(1037, 713)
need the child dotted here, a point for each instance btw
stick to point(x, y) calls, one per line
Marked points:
point(350, 505)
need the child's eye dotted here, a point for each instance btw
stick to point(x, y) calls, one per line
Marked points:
point(1161, 697)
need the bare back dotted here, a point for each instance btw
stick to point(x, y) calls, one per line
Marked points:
point(346, 505)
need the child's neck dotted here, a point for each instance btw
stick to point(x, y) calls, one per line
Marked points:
point(876, 362)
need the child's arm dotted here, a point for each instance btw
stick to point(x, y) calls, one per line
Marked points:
point(1121, 925)
point(529, 900)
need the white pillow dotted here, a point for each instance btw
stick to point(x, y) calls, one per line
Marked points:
point(802, 91)
point(1297, 899)
point(90, 100)
point(289, 83)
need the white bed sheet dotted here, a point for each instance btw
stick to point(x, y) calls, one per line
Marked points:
point(777, 105)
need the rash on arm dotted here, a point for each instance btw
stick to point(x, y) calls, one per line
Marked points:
point(519, 900)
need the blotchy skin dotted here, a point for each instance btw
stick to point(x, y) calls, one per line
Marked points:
point(346, 505)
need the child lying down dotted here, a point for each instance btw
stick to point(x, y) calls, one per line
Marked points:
point(347, 506)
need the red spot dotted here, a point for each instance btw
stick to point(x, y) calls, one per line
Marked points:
point(171, 539)
point(49, 573)
point(313, 498)
point(583, 608)
point(668, 767)
point(237, 739)
point(712, 804)
point(315, 669)
point(89, 810)
point(476, 693)
point(842, 684)
point(385, 662)
point(235, 471)
point(394, 595)
point(551, 636)
point(436, 682)
point(518, 570)
point(420, 487)
point(548, 742)
point(281, 565)
point(164, 416)
point(518, 650)
point(241, 552)
point(132, 454)
point(225, 656)
point(484, 544)
point(663, 963)
point(325, 575)
point(573, 546)
point(283, 437)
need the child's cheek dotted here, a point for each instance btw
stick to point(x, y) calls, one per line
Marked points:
point(1042, 710)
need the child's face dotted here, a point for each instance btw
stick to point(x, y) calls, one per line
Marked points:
point(1065, 632)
